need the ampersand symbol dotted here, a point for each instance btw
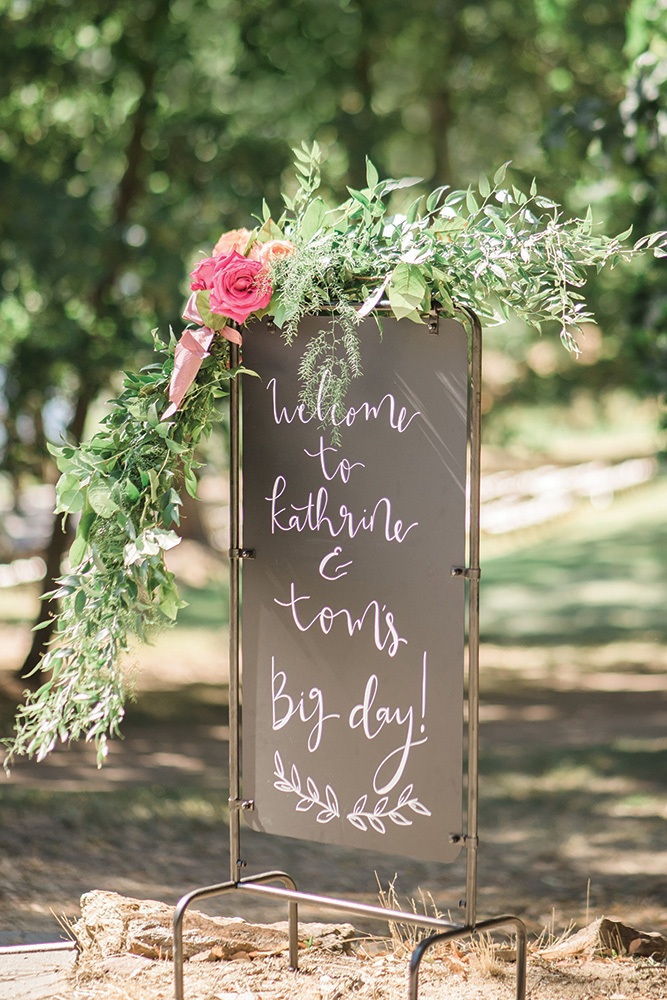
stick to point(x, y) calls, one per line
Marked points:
point(339, 571)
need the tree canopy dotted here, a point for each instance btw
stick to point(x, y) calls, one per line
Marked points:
point(132, 134)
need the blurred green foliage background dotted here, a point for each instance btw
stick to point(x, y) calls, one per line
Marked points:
point(133, 133)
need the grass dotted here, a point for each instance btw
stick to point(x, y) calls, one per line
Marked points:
point(591, 579)
point(109, 813)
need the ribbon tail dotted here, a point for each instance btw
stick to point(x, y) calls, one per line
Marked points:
point(189, 353)
point(229, 333)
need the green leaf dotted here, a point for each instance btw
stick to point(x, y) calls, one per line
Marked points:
point(413, 210)
point(385, 187)
point(494, 214)
point(100, 499)
point(39, 626)
point(164, 538)
point(498, 271)
point(500, 173)
point(484, 186)
point(360, 196)
point(153, 416)
point(70, 494)
point(214, 321)
point(170, 603)
point(154, 484)
point(269, 231)
point(624, 235)
point(406, 291)
point(451, 226)
point(312, 220)
point(281, 310)
point(471, 202)
point(372, 176)
point(434, 197)
point(131, 491)
point(77, 551)
point(174, 447)
point(190, 483)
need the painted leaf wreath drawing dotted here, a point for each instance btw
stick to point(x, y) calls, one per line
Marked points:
point(360, 816)
point(494, 249)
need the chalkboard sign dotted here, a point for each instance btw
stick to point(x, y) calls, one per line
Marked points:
point(352, 624)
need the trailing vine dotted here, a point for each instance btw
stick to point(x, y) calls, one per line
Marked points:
point(125, 484)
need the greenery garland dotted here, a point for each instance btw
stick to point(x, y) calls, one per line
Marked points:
point(496, 250)
point(125, 483)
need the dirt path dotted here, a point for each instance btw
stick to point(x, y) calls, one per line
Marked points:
point(573, 816)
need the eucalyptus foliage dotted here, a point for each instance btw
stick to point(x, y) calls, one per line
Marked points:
point(494, 249)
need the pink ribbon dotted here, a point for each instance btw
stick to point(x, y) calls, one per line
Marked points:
point(189, 353)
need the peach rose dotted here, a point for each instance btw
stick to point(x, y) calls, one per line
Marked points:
point(275, 250)
point(235, 239)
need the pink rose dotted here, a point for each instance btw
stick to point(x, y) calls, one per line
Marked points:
point(201, 278)
point(240, 287)
point(275, 250)
point(235, 239)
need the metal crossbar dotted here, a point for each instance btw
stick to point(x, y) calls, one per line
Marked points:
point(458, 932)
point(258, 884)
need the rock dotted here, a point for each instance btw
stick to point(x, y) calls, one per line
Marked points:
point(112, 924)
point(331, 937)
point(609, 936)
point(624, 940)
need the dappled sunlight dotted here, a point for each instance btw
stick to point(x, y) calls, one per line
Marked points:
point(510, 713)
point(514, 500)
point(201, 656)
point(624, 682)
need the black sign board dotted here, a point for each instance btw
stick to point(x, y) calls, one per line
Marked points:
point(352, 624)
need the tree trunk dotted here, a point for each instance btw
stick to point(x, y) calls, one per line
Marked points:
point(59, 541)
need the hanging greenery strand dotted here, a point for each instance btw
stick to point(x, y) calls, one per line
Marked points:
point(125, 484)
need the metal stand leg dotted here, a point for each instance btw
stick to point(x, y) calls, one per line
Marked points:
point(459, 932)
point(217, 890)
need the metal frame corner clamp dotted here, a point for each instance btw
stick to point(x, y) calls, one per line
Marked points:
point(264, 884)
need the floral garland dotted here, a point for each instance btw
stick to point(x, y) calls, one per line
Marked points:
point(496, 250)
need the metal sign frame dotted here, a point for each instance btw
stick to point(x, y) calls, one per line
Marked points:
point(264, 884)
